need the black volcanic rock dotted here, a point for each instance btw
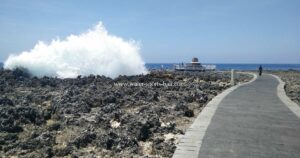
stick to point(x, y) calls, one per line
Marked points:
point(47, 117)
point(5, 101)
point(84, 139)
point(12, 118)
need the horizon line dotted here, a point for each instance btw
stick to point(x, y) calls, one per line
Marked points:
point(214, 63)
point(224, 63)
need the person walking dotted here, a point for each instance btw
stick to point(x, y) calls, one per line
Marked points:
point(260, 69)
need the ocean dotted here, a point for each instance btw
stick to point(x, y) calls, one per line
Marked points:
point(170, 66)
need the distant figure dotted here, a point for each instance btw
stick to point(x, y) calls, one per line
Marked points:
point(260, 69)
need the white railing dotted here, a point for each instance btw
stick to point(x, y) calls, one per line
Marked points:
point(195, 67)
point(210, 67)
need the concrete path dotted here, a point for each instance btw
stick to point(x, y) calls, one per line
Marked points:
point(251, 121)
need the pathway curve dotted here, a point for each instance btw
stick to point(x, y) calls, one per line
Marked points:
point(251, 121)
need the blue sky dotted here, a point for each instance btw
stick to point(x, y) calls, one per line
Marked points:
point(215, 31)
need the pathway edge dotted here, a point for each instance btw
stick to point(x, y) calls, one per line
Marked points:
point(189, 144)
point(294, 107)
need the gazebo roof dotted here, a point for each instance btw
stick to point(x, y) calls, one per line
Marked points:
point(195, 60)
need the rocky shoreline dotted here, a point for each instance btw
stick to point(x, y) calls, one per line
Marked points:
point(292, 83)
point(130, 116)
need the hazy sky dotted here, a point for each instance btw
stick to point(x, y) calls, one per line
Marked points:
point(216, 31)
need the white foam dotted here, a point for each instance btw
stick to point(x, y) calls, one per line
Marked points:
point(93, 52)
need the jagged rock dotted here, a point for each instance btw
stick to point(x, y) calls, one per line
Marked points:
point(107, 141)
point(8, 125)
point(113, 141)
point(110, 108)
point(189, 113)
point(54, 127)
point(70, 108)
point(43, 140)
point(20, 72)
point(180, 107)
point(5, 101)
point(8, 138)
point(47, 117)
point(109, 99)
point(189, 98)
point(64, 151)
point(12, 117)
point(47, 152)
point(84, 139)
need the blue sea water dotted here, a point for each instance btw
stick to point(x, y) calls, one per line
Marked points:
point(170, 66)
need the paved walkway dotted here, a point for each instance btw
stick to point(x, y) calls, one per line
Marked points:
point(250, 122)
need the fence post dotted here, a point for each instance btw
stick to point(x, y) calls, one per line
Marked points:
point(232, 82)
